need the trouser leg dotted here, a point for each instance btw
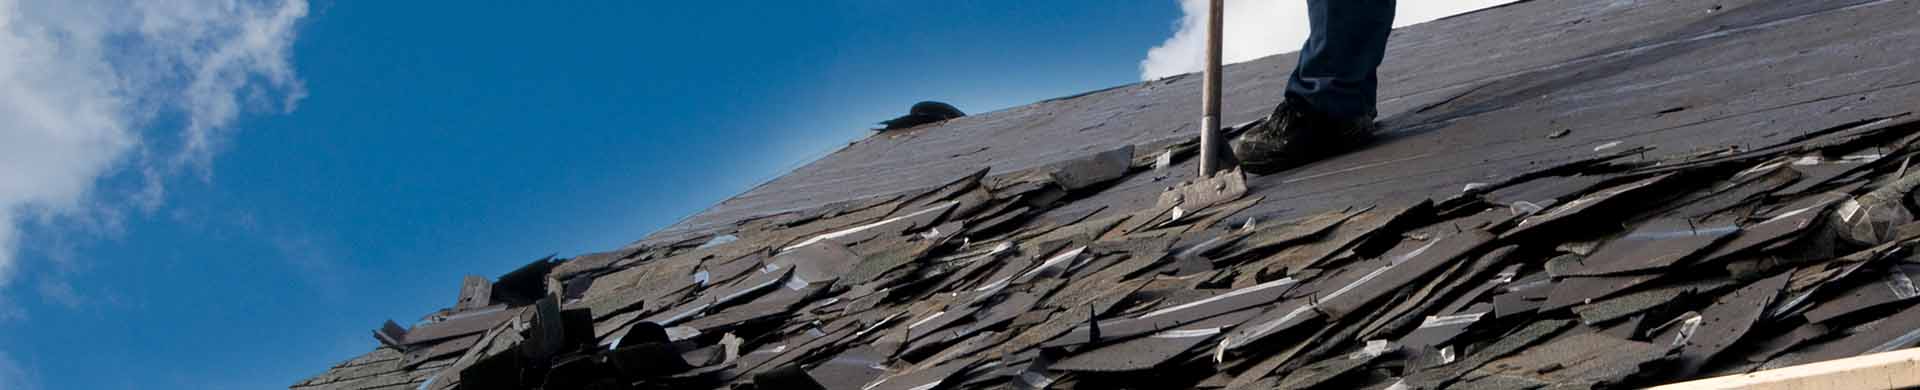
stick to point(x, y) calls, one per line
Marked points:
point(1337, 70)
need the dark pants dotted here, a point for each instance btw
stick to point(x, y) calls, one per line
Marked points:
point(1336, 75)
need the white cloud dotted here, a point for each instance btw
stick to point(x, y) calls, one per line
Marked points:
point(15, 377)
point(144, 88)
point(1260, 28)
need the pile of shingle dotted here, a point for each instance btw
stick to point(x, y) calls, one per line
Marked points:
point(1609, 272)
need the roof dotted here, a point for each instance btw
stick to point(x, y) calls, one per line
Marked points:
point(1566, 193)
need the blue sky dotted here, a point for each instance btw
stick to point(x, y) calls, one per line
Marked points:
point(230, 195)
point(436, 140)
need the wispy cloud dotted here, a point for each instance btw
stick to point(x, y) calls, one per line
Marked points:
point(313, 260)
point(59, 292)
point(145, 90)
point(13, 376)
point(10, 312)
point(1260, 28)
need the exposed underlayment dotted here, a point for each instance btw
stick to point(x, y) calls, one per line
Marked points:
point(1571, 194)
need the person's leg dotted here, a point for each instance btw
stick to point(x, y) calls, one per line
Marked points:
point(1330, 97)
point(1336, 74)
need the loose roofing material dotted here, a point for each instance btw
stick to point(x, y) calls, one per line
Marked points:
point(1700, 218)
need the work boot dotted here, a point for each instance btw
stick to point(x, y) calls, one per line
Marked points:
point(1295, 135)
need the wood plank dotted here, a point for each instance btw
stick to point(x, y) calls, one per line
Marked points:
point(1887, 370)
point(475, 293)
point(460, 325)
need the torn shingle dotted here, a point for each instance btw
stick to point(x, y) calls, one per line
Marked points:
point(1783, 225)
point(1547, 191)
point(1099, 168)
point(1413, 266)
point(1585, 360)
point(1654, 245)
point(1724, 323)
point(889, 228)
point(1274, 235)
point(422, 354)
point(1487, 283)
point(1633, 303)
point(1894, 332)
point(1427, 299)
point(461, 324)
point(1178, 315)
point(925, 378)
point(850, 369)
point(1573, 208)
point(1584, 290)
point(1520, 339)
point(1153, 349)
point(1327, 370)
point(1363, 225)
point(1280, 319)
point(818, 262)
point(1436, 331)
point(1894, 285)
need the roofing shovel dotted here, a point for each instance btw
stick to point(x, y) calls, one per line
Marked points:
point(1215, 183)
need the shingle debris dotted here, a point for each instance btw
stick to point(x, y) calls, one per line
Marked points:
point(1627, 273)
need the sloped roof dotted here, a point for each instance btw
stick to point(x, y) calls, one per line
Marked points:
point(1605, 193)
point(1488, 87)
